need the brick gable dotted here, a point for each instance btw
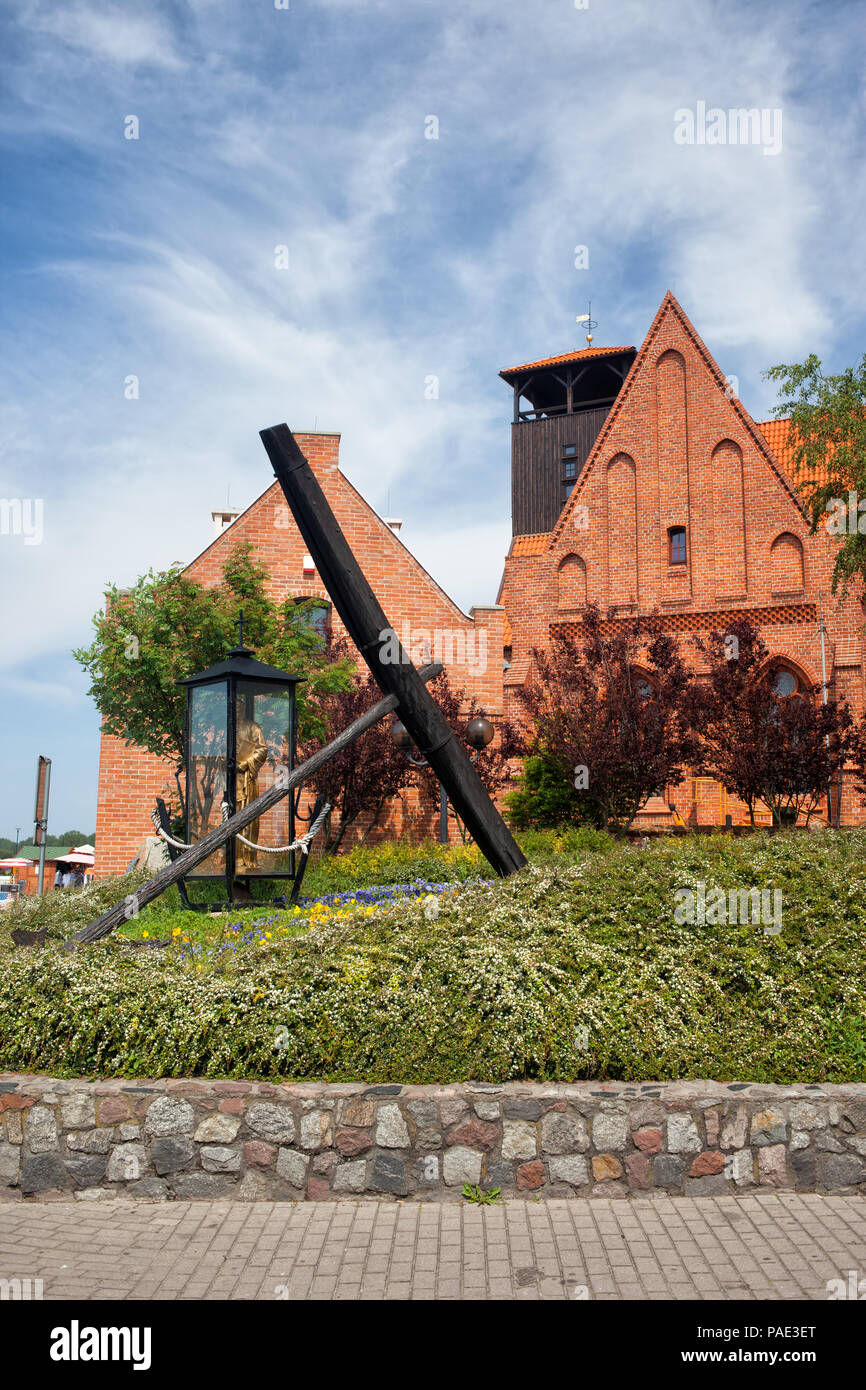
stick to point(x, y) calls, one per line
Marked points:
point(130, 779)
point(676, 452)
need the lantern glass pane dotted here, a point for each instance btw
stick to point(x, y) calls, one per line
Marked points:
point(264, 724)
point(206, 769)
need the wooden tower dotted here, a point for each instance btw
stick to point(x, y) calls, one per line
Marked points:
point(560, 404)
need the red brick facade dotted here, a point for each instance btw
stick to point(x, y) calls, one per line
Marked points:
point(471, 647)
point(676, 451)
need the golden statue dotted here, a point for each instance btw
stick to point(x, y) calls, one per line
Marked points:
point(252, 752)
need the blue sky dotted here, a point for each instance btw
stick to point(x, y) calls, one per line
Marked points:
point(408, 257)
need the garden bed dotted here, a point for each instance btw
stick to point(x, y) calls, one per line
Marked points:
point(575, 969)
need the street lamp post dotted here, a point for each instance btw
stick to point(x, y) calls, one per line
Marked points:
point(479, 732)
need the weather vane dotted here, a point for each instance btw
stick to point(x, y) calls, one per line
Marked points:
point(589, 323)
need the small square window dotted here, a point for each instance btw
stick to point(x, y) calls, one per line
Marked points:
point(570, 450)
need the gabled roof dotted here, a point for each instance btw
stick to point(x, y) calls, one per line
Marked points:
point(670, 305)
point(579, 355)
point(390, 538)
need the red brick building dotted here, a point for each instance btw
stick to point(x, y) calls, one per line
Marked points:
point(424, 617)
point(640, 483)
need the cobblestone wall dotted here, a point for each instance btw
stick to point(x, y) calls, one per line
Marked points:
point(254, 1140)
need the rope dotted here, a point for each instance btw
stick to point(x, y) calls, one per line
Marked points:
point(302, 844)
point(164, 835)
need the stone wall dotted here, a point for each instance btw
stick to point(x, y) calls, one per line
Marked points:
point(254, 1140)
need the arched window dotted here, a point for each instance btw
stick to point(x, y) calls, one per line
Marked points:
point(316, 612)
point(571, 582)
point(787, 683)
point(786, 564)
point(788, 687)
point(677, 545)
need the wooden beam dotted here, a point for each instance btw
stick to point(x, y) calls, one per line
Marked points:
point(370, 630)
point(217, 837)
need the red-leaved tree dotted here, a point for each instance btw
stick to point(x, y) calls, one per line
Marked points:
point(767, 741)
point(363, 778)
point(605, 714)
point(493, 763)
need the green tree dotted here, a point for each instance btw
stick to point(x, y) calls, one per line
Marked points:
point(169, 626)
point(543, 799)
point(828, 452)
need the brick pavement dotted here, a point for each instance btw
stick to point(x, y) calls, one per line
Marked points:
point(775, 1246)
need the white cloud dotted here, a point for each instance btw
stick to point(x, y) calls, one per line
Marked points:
point(124, 34)
point(407, 257)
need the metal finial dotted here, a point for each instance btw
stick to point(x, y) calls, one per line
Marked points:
point(589, 322)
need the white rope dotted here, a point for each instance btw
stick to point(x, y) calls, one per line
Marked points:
point(164, 835)
point(302, 844)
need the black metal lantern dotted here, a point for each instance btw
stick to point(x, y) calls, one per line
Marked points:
point(241, 730)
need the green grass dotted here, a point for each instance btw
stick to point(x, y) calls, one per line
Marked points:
point(573, 969)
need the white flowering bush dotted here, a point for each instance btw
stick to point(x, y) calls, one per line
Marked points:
point(569, 970)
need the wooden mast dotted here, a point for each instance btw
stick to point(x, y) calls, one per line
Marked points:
point(372, 634)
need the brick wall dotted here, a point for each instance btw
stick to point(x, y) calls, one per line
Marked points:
point(130, 779)
point(676, 451)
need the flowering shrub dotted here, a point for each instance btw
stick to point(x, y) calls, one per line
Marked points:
point(568, 970)
point(214, 942)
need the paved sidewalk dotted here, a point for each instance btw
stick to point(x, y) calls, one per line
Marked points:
point(757, 1247)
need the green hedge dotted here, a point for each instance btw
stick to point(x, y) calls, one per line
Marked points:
point(500, 986)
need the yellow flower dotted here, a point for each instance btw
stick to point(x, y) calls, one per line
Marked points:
point(145, 934)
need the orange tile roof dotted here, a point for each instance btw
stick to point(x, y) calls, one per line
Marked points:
point(530, 545)
point(776, 433)
point(577, 356)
